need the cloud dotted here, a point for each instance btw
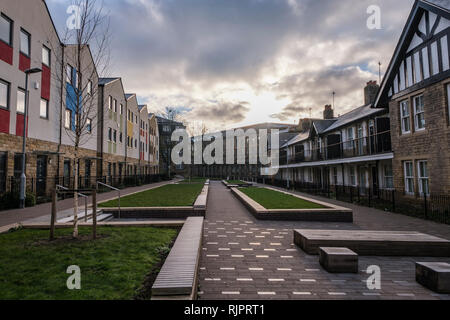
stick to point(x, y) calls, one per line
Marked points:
point(282, 57)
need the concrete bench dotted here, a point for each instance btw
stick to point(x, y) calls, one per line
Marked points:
point(373, 243)
point(434, 276)
point(338, 260)
point(178, 276)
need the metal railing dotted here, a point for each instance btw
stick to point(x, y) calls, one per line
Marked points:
point(85, 197)
point(112, 188)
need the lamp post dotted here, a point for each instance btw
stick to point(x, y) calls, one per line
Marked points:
point(23, 177)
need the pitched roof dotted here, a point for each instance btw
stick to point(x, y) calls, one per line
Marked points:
point(352, 116)
point(129, 95)
point(105, 81)
point(436, 6)
point(322, 125)
point(299, 137)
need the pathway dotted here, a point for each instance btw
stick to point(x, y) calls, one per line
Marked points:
point(243, 258)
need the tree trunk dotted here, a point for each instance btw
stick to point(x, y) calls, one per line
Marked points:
point(75, 197)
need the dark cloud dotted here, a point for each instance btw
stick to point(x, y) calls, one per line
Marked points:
point(224, 112)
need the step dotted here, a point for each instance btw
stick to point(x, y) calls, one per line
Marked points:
point(81, 216)
point(102, 217)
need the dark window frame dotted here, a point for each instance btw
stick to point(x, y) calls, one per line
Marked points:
point(47, 111)
point(11, 30)
point(44, 47)
point(8, 94)
point(22, 30)
point(24, 100)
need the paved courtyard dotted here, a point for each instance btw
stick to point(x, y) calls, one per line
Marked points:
point(243, 258)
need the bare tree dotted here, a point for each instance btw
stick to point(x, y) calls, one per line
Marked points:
point(86, 57)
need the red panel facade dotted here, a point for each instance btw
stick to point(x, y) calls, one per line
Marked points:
point(4, 120)
point(24, 62)
point(45, 83)
point(6, 53)
point(19, 125)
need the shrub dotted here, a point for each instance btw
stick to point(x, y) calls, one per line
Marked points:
point(11, 200)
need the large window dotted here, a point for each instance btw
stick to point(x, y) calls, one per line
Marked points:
point(110, 102)
point(388, 177)
point(69, 74)
point(115, 105)
point(89, 87)
point(4, 94)
point(20, 101)
point(6, 29)
point(404, 115)
point(109, 134)
point(46, 56)
point(422, 176)
point(89, 125)
point(352, 176)
point(419, 113)
point(24, 42)
point(43, 110)
point(409, 177)
point(350, 138)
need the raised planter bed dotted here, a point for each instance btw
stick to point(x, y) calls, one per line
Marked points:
point(236, 184)
point(198, 209)
point(327, 213)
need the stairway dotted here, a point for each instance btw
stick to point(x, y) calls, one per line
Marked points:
point(81, 217)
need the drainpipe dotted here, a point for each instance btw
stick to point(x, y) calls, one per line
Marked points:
point(61, 109)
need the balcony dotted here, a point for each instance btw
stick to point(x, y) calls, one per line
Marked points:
point(366, 146)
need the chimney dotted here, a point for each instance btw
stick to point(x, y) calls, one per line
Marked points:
point(304, 124)
point(328, 113)
point(370, 92)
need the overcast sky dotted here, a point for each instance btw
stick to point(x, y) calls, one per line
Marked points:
point(234, 62)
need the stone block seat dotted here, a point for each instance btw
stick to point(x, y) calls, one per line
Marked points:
point(338, 260)
point(434, 276)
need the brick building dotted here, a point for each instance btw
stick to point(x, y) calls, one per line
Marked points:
point(416, 89)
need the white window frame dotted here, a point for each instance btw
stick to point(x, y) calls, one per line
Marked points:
point(69, 73)
point(408, 177)
point(405, 117)
point(386, 177)
point(416, 113)
point(110, 102)
point(68, 119)
point(41, 115)
point(421, 179)
point(46, 55)
point(22, 109)
point(350, 132)
point(352, 175)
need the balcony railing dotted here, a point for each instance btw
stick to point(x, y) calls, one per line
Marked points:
point(365, 146)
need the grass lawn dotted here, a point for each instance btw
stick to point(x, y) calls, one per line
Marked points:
point(271, 199)
point(112, 267)
point(236, 182)
point(170, 195)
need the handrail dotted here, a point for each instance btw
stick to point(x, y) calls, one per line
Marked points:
point(112, 188)
point(81, 195)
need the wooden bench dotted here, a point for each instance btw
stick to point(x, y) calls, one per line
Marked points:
point(434, 276)
point(373, 243)
point(338, 260)
point(178, 276)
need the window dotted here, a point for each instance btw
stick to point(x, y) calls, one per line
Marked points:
point(121, 108)
point(166, 128)
point(89, 87)
point(20, 101)
point(3, 162)
point(6, 29)
point(120, 137)
point(46, 56)
point(409, 177)
point(335, 176)
point(352, 176)
point(69, 74)
point(115, 135)
point(350, 138)
point(419, 113)
point(68, 119)
point(109, 134)
point(115, 105)
point(4, 94)
point(89, 125)
point(422, 176)
point(404, 114)
point(24, 42)
point(43, 110)
point(388, 177)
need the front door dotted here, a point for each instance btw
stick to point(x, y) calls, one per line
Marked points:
point(41, 175)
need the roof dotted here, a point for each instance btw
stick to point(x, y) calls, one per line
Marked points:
point(105, 81)
point(352, 116)
point(299, 137)
point(436, 6)
point(285, 137)
point(322, 125)
point(162, 120)
point(129, 95)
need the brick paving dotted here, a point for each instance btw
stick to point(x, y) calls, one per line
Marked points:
point(243, 258)
point(10, 217)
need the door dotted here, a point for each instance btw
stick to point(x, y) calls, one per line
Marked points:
point(41, 175)
point(375, 180)
point(383, 135)
point(2, 172)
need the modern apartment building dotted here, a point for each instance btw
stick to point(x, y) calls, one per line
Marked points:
point(153, 144)
point(166, 127)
